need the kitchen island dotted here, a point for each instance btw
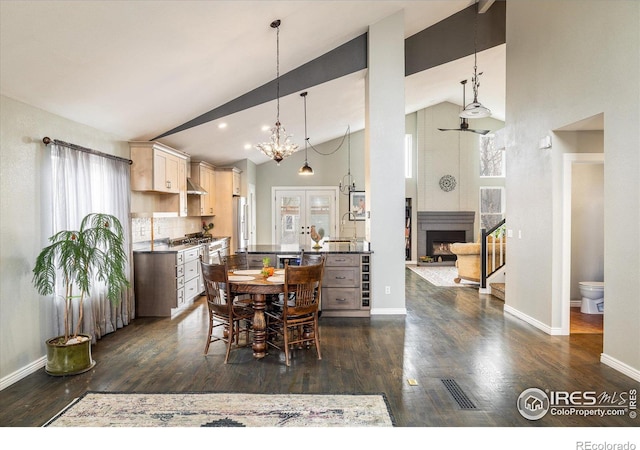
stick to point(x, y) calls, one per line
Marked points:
point(347, 275)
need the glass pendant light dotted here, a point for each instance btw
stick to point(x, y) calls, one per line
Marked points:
point(279, 147)
point(348, 183)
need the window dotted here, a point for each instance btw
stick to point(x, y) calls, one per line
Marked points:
point(491, 206)
point(492, 159)
point(408, 160)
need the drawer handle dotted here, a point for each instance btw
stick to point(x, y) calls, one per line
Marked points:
point(341, 278)
point(341, 299)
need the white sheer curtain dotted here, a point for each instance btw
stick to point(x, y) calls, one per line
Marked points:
point(84, 183)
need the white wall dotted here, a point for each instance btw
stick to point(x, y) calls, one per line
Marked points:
point(450, 153)
point(328, 171)
point(384, 163)
point(567, 61)
point(24, 316)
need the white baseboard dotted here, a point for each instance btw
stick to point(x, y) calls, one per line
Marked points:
point(575, 303)
point(23, 372)
point(389, 311)
point(535, 322)
point(620, 366)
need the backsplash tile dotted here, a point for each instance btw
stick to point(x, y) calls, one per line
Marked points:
point(163, 227)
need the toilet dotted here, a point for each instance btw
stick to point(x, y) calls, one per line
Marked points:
point(592, 297)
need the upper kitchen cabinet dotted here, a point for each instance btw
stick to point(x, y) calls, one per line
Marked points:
point(228, 187)
point(229, 179)
point(203, 174)
point(157, 168)
point(158, 180)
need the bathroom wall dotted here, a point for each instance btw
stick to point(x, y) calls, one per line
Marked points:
point(587, 225)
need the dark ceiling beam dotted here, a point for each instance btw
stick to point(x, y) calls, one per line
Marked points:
point(343, 60)
point(454, 38)
point(450, 39)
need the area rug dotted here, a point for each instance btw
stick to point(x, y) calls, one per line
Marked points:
point(104, 409)
point(441, 275)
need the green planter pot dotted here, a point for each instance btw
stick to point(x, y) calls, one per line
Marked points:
point(68, 359)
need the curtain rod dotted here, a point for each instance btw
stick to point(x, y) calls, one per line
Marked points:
point(48, 140)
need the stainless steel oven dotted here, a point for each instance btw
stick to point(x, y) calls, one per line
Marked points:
point(214, 248)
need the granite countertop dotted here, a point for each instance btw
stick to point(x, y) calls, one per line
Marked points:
point(332, 247)
point(162, 245)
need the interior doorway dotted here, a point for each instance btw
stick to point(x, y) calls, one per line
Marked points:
point(583, 237)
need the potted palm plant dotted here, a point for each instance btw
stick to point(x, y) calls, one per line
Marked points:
point(77, 258)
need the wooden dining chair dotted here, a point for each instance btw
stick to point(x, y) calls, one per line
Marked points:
point(297, 323)
point(222, 312)
point(238, 261)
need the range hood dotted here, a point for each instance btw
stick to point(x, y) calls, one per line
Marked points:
point(194, 188)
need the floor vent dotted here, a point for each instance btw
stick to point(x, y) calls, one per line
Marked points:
point(458, 394)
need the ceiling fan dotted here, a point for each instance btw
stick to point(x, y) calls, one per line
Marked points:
point(464, 123)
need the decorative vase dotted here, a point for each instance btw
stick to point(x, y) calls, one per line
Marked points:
point(70, 359)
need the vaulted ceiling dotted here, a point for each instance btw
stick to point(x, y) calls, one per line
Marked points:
point(141, 69)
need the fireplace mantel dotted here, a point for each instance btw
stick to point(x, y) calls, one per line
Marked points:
point(443, 221)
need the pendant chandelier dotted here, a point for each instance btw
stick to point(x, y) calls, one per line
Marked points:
point(475, 109)
point(306, 169)
point(348, 184)
point(279, 147)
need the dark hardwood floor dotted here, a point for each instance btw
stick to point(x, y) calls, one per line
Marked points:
point(448, 333)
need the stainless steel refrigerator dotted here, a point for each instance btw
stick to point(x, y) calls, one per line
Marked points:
point(241, 222)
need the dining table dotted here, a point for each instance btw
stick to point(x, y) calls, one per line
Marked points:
point(259, 287)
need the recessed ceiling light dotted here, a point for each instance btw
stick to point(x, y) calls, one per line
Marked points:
point(222, 125)
point(266, 127)
point(247, 146)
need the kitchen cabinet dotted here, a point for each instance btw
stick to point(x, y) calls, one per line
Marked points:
point(345, 285)
point(157, 168)
point(165, 281)
point(204, 174)
point(227, 184)
point(193, 281)
point(158, 180)
point(228, 181)
point(182, 189)
point(235, 181)
point(346, 282)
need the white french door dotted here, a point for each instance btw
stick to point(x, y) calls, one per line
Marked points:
point(296, 210)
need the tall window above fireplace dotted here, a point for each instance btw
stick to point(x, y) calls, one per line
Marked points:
point(491, 206)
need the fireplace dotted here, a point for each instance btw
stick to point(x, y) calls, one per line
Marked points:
point(438, 229)
point(438, 242)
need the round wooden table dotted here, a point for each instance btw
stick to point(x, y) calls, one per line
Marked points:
point(258, 287)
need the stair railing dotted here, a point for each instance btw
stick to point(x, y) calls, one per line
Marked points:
point(492, 254)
